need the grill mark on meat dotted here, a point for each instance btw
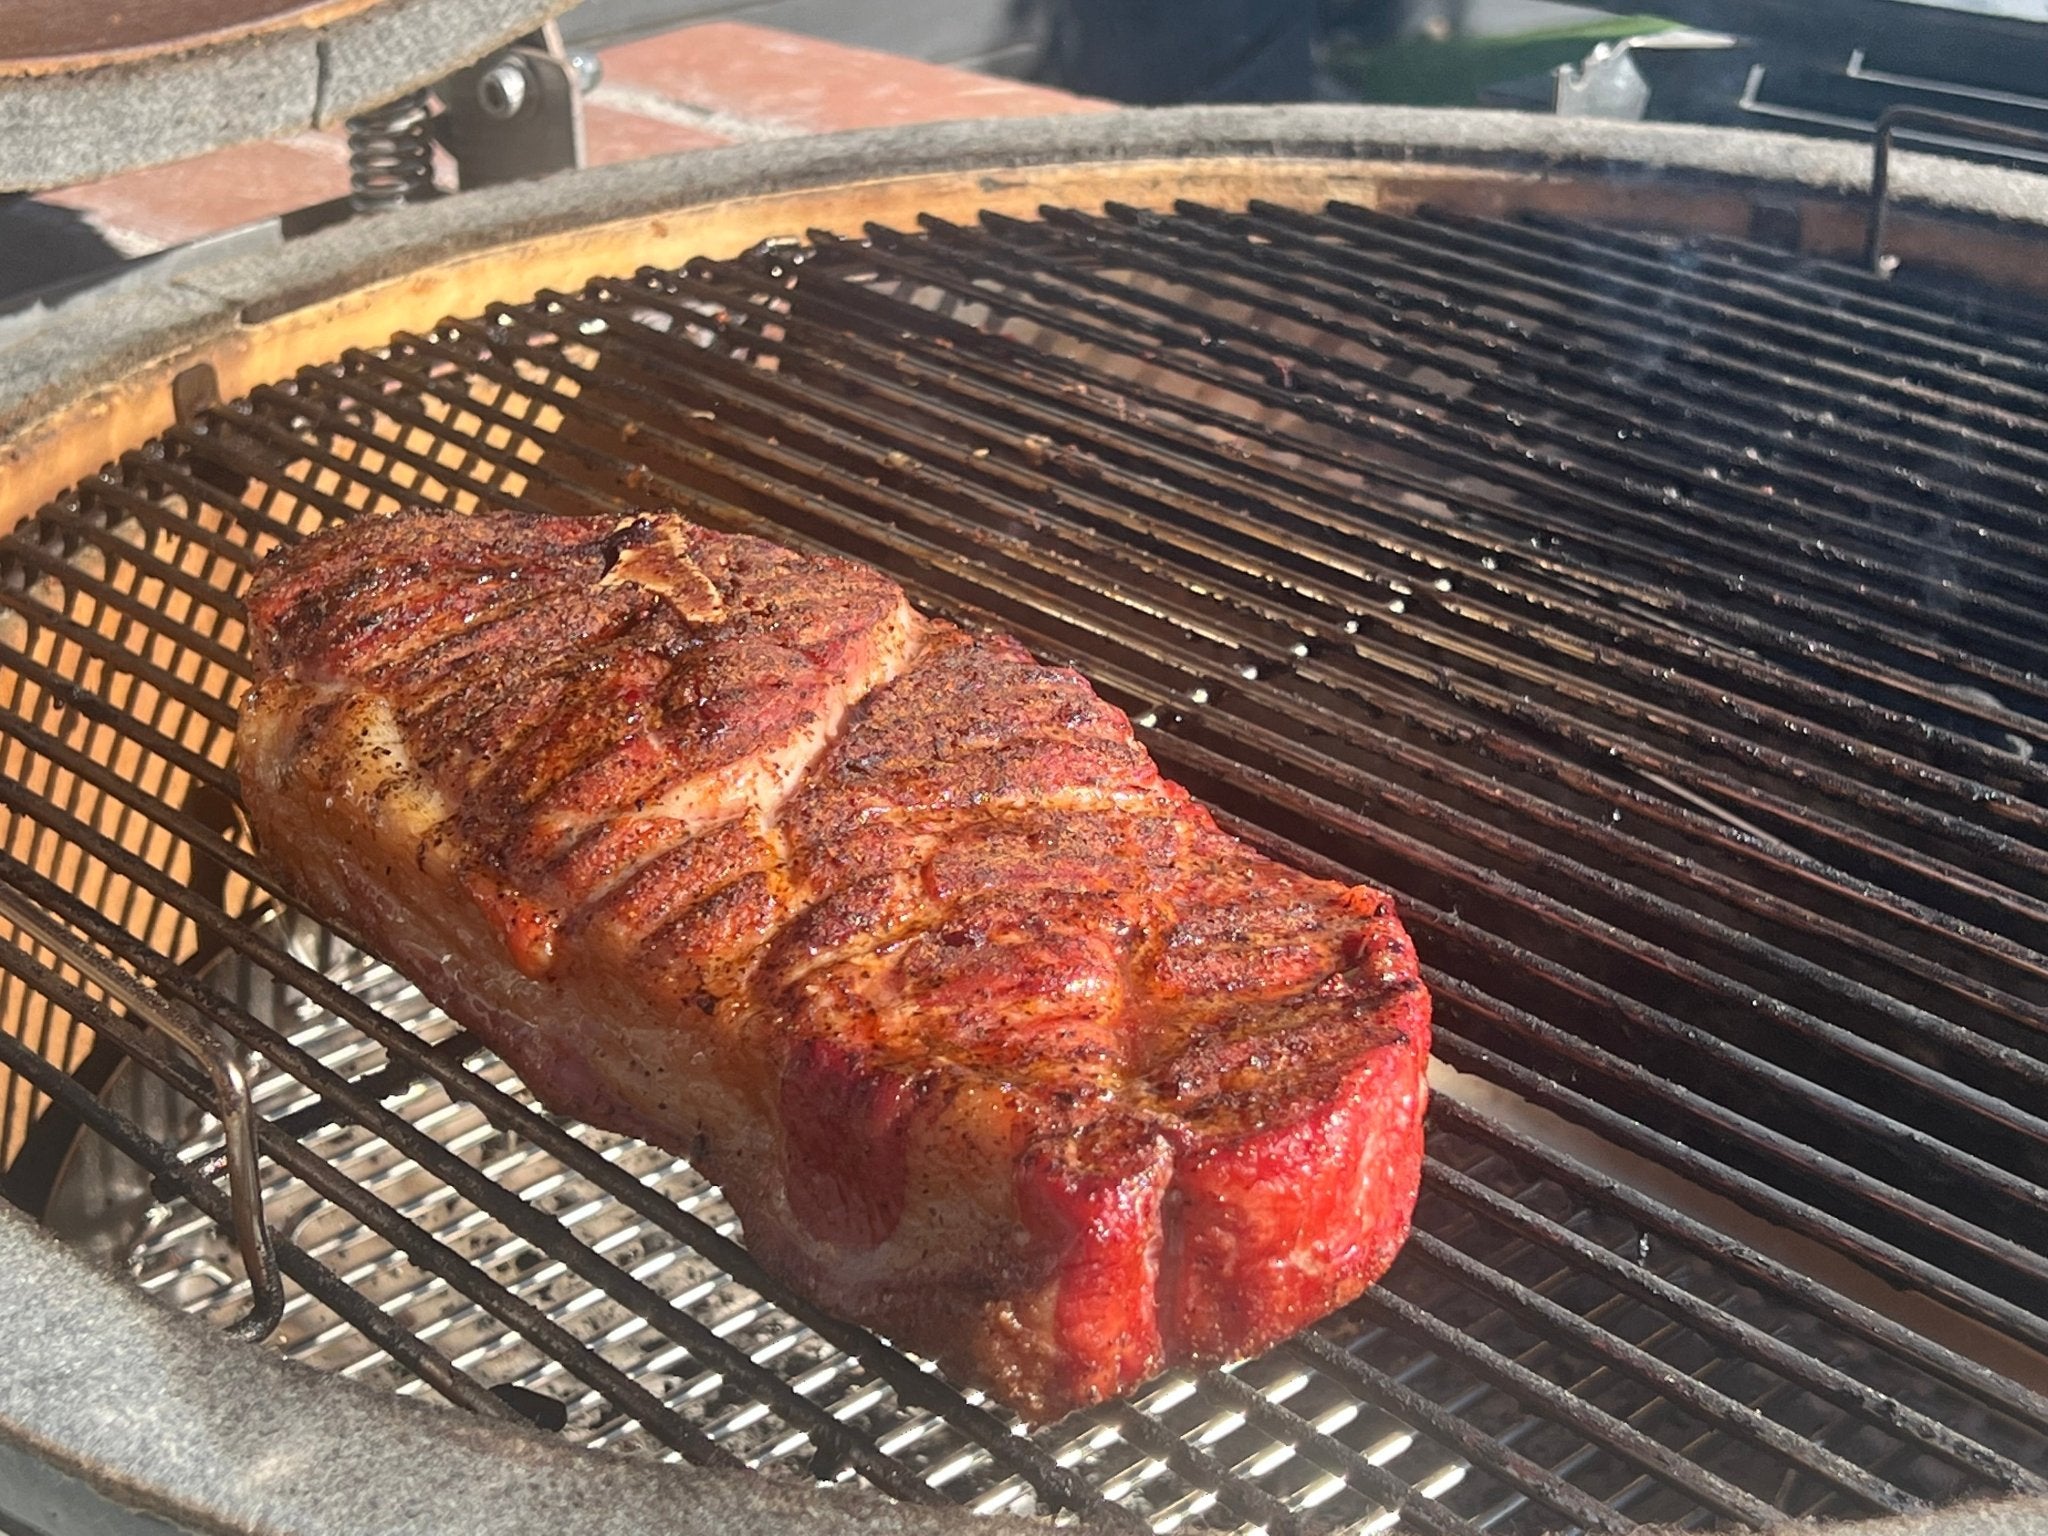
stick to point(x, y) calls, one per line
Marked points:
point(685, 810)
point(996, 1042)
point(488, 614)
point(521, 751)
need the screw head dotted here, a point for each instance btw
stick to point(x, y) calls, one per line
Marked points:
point(503, 89)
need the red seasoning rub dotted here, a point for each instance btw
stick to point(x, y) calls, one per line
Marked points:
point(995, 1042)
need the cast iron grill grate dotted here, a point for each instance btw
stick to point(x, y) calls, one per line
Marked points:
point(1658, 618)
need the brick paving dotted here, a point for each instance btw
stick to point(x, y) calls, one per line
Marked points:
point(167, 204)
point(756, 75)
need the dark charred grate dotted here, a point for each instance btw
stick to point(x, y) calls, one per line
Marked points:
point(1659, 618)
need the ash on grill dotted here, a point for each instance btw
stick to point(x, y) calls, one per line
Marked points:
point(1660, 619)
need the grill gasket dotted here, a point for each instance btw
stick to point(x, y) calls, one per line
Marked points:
point(211, 454)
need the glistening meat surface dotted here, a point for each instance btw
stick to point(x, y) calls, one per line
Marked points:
point(994, 1040)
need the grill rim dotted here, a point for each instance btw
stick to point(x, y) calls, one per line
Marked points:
point(133, 334)
point(340, 1457)
point(348, 1460)
point(131, 339)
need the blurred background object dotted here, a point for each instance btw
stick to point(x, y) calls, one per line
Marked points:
point(1453, 52)
point(1154, 52)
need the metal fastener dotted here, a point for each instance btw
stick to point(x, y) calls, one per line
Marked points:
point(502, 91)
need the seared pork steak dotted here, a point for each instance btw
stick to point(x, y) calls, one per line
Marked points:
point(995, 1042)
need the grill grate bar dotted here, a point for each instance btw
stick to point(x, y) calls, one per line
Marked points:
point(267, 417)
point(678, 378)
point(1477, 445)
point(1711, 1407)
point(1073, 388)
point(1455, 427)
point(1290, 1428)
point(223, 456)
point(1203, 1469)
point(1985, 330)
point(1006, 397)
point(64, 696)
point(165, 683)
point(340, 423)
point(1662, 430)
point(2000, 414)
point(138, 613)
point(405, 1236)
point(121, 789)
point(182, 531)
point(1896, 806)
point(1463, 1002)
point(813, 473)
point(1790, 364)
point(425, 1362)
point(1639, 1360)
point(1876, 1407)
point(2000, 326)
point(1603, 1429)
point(1798, 287)
point(2009, 1253)
point(1173, 529)
point(1104, 434)
point(102, 530)
point(173, 472)
point(485, 468)
point(1572, 1057)
point(1492, 1453)
point(1519, 853)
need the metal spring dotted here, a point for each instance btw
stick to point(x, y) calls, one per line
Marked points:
point(391, 155)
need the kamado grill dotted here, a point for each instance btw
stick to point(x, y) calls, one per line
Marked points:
point(1554, 522)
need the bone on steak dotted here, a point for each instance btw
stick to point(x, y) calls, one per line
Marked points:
point(994, 1041)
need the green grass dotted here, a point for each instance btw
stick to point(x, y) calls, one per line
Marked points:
point(1420, 72)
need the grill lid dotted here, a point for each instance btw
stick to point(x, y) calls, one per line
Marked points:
point(1620, 601)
